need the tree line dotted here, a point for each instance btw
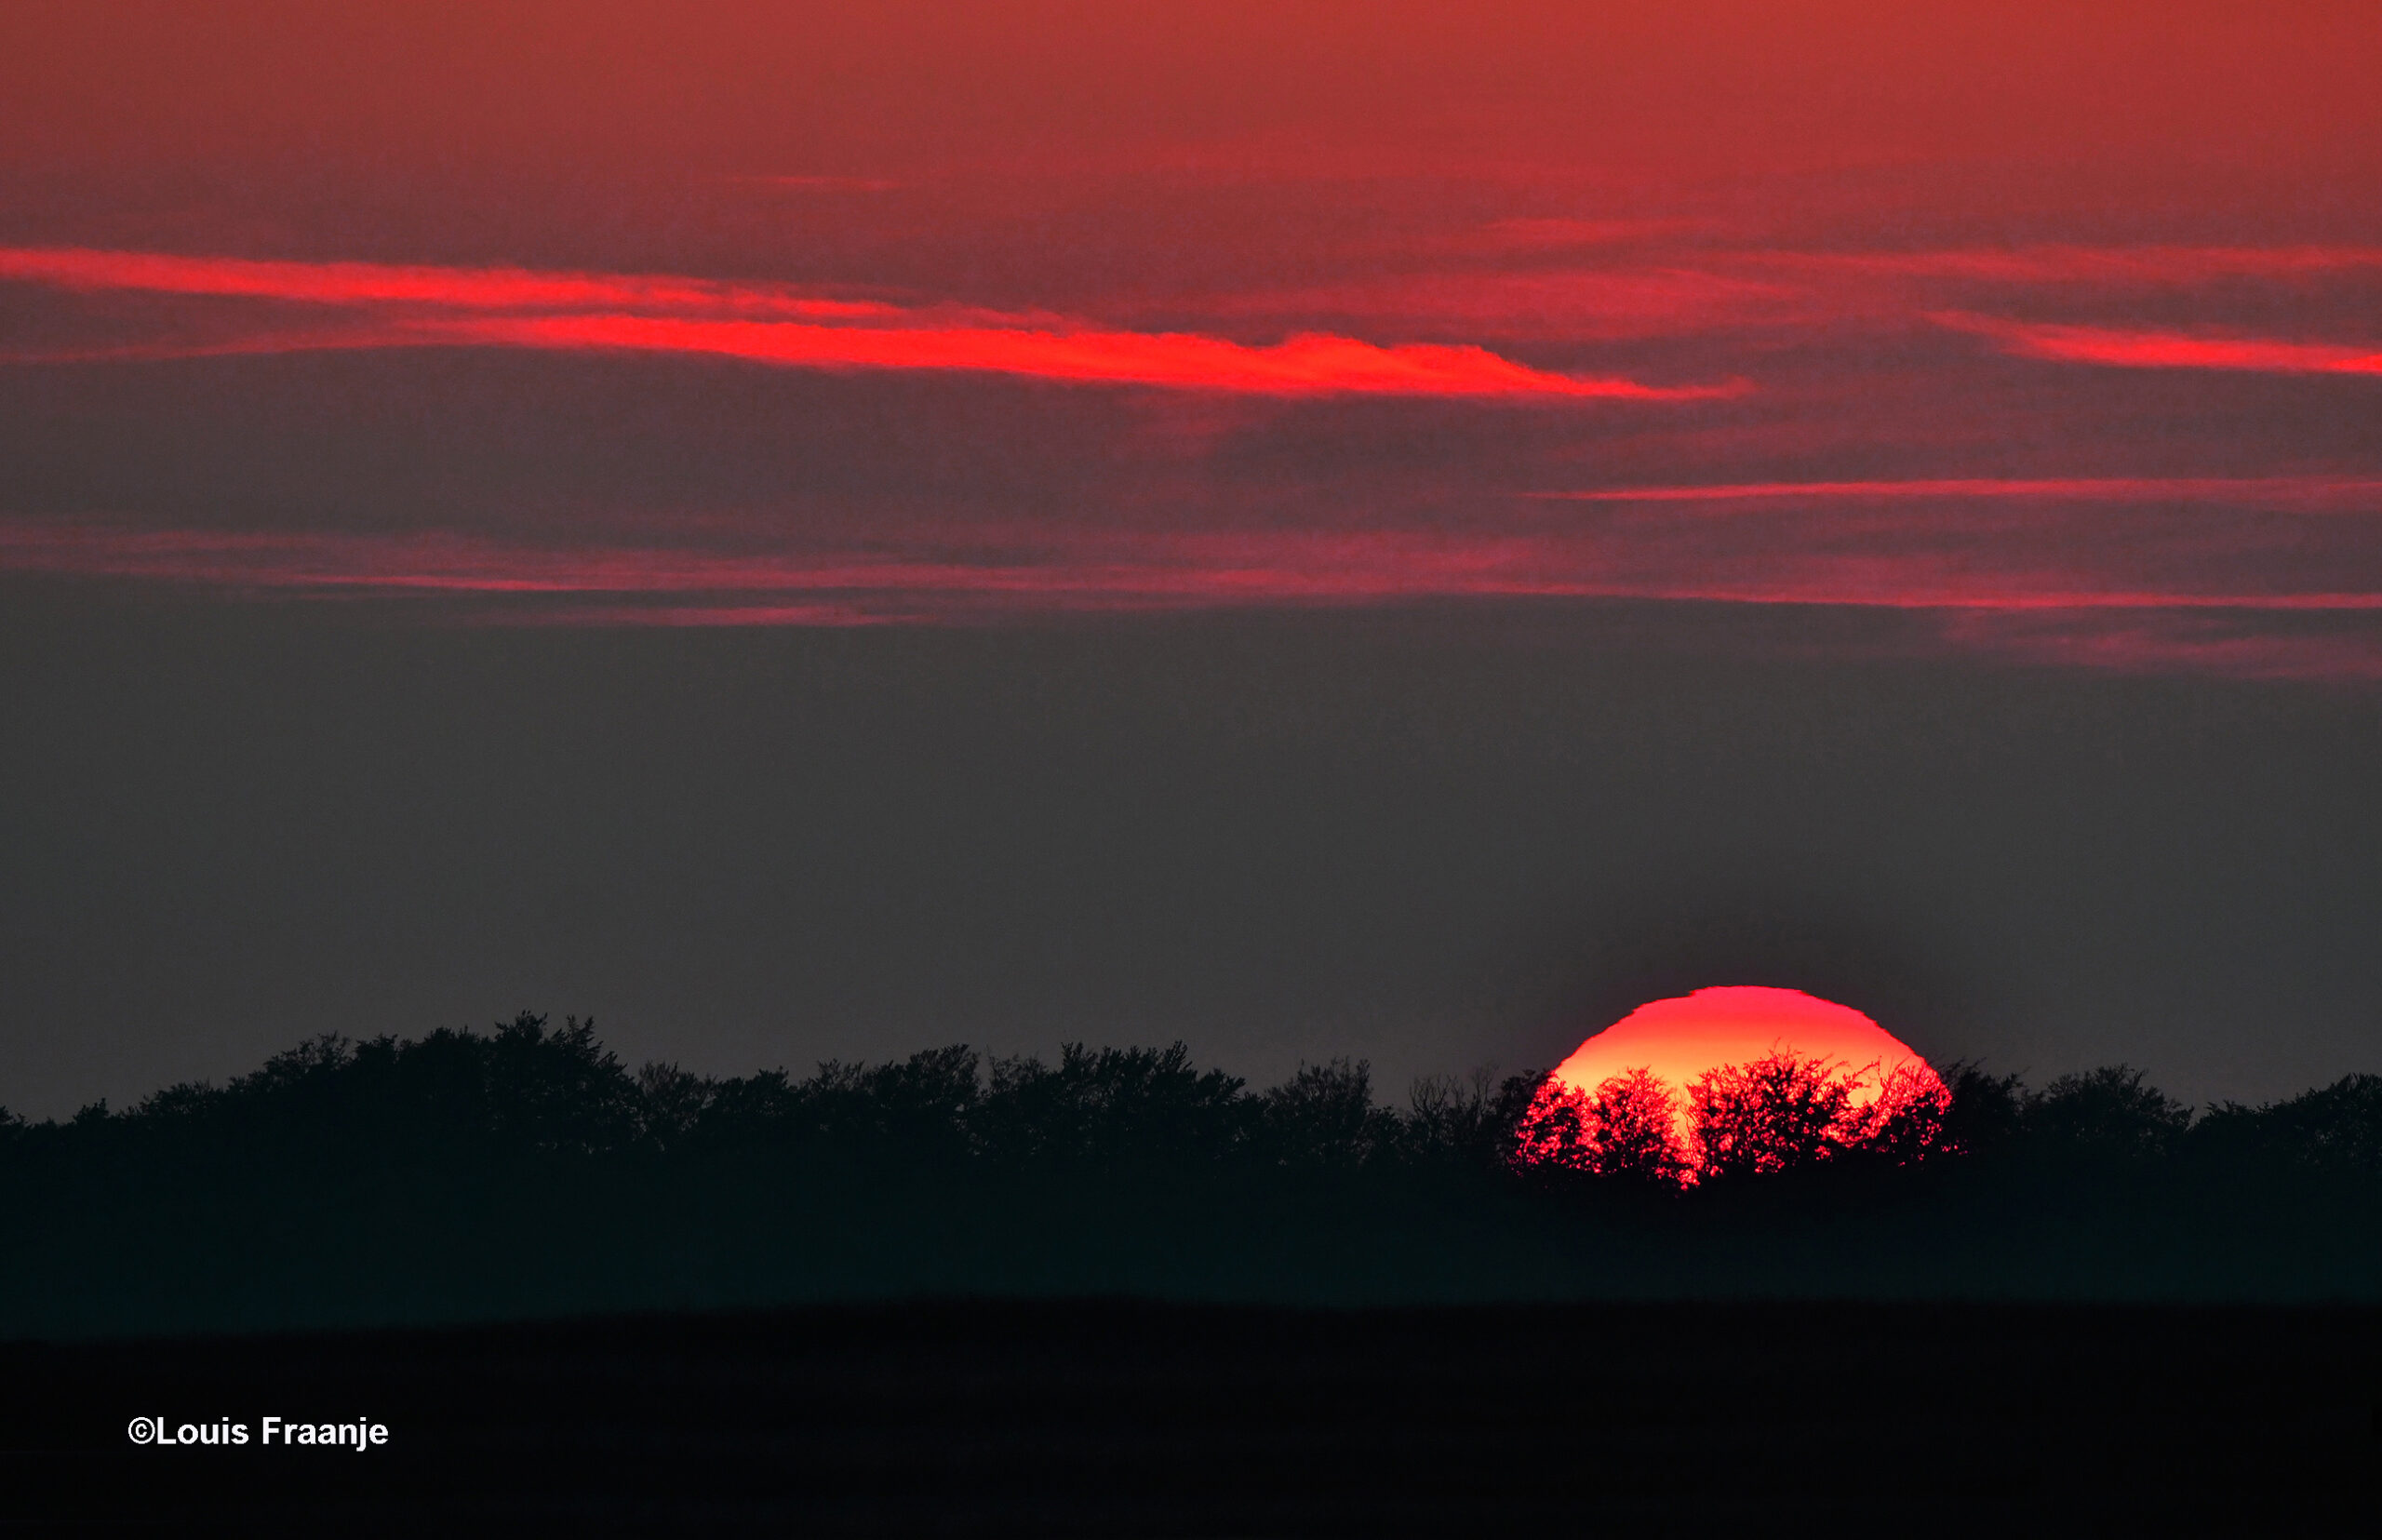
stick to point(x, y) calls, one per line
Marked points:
point(527, 1086)
point(526, 1170)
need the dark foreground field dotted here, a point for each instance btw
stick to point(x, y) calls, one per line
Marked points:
point(1127, 1419)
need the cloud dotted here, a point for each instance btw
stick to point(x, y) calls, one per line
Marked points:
point(2125, 266)
point(2167, 350)
point(1701, 285)
point(2205, 594)
point(2295, 491)
point(2239, 644)
point(579, 312)
point(1609, 303)
point(440, 287)
point(1305, 365)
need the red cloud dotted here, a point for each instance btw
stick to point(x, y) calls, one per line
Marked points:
point(2128, 349)
point(1601, 303)
point(1692, 288)
point(1306, 365)
point(2263, 490)
point(646, 314)
point(2123, 266)
point(444, 288)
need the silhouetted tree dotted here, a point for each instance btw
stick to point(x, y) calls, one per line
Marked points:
point(1626, 1129)
point(1986, 1113)
point(756, 1111)
point(1324, 1115)
point(1557, 1132)
point(2336, 1128)
point(1132, 1105)
point(1776, 1113)
point(1907, 1121)
point(672, 1102)
point(560, 1091)
point(2105, 1114)
point(1506, 1110)
point(2338, 1125)
point(1452, 1118)
point(915, 1110)
point(520, 1087)
point(1633, 1122)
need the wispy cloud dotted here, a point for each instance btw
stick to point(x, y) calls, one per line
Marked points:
point(581, 312)
point(2242, 644)
point(2122, 348)
point(1612, 280)
point(2258, 591)
point(2122, 266)
point(438, 287)
point(1305, 365)
point(2300, 490)
point(1587, 303)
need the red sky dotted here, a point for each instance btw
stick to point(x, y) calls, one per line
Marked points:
point(2054, 328)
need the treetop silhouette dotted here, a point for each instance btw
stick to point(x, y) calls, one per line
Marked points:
point(525, 1168)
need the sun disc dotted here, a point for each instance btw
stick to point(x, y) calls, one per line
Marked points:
point(1681, 1037)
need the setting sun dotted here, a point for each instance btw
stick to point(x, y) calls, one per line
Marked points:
point(1681, 1039)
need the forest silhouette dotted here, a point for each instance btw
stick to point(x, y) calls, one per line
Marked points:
point(526, 1171)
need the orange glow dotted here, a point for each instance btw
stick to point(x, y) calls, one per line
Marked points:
point(1681, 1039)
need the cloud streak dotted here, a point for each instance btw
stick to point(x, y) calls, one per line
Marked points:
point(2254, 594)
point(1701, 287)
point(340, 283)
point(578, 312)
point(2290, 490)
point(1305, 365)
point(2120, 348)
point(2115, 266)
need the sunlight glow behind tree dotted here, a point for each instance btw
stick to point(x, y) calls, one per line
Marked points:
point(1730, 1082)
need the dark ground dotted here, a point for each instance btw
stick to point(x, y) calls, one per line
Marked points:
point(1125, 1419)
